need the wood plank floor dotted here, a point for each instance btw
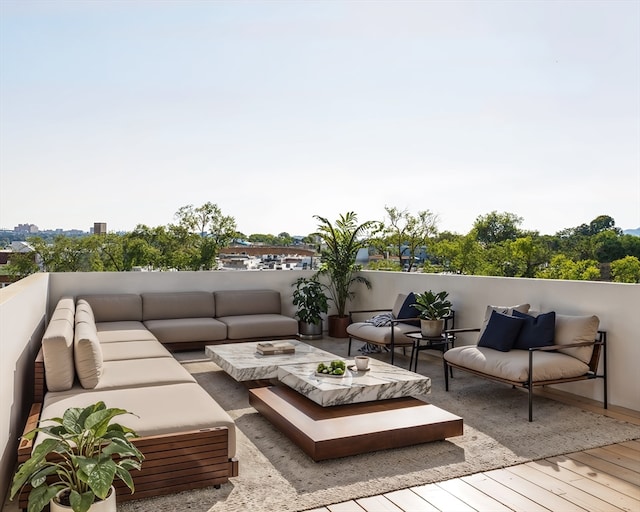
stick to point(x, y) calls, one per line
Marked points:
point(597, 480)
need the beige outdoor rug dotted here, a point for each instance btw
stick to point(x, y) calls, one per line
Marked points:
point(276, 476)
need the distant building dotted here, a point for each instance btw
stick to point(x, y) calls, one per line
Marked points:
point(26, 228)
point(99, 228)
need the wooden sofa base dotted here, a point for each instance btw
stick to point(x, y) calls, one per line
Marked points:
point(173, 462)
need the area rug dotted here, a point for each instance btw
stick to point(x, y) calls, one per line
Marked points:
point(275, 475)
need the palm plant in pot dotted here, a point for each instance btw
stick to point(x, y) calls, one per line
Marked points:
point(341, 243)
point(311, 301)
point(433, 308)
point(74, 467)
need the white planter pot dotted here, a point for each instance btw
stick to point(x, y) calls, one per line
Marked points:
point(431, 328)
point(106, 505)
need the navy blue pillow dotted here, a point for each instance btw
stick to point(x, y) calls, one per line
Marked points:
point(537, 331)
point(408, 311)
point(501, 332)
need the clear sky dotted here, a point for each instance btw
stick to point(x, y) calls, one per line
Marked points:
point(124, 111)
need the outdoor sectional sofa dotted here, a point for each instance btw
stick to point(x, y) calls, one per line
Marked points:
point(113, 348)
point(528, 349)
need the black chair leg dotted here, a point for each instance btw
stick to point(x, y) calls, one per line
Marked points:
point(349, 350)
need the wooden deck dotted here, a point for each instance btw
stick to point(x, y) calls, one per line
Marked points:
point(601, 479)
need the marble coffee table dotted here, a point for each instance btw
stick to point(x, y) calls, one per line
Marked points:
point(381, 382)
point(244, 363)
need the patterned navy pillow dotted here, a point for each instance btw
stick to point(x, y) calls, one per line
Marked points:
point(537, 331)
point(501, 332)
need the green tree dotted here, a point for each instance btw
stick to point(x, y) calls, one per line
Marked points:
point(22, 264)
point(406, 233)
point(457, 254)
point(495, 227)
point(215, 231)
point(626, 270)
point(562, 267)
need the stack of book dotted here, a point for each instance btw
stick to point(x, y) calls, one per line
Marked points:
point(270, 348)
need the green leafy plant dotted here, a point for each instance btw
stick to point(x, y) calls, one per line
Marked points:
point(432, 306)
point(310, 299)
point(78, 454)
point(342, 242)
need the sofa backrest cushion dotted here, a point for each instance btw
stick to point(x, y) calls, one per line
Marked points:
point(403, 308)
point(115, 307)
point(161, 306)
point(88, 355)
point(247, 302)
point(84, 313)
point(576, 329)
point(57, 347)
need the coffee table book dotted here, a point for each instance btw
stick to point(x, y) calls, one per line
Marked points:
point(273, 348)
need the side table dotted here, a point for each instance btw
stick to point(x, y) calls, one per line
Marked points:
point(420, 342)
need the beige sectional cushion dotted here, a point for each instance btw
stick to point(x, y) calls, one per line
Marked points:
point(125, 350)
point(514, 365)
point(115, 307)
point(576, 329)
point(130, 330)
point(87, 355)
point(259, 326)
point(135, 373)
point(57, 350)
point(247, 302)
point(159, 306)
point(84, 313)
point(179, 330)
point(160, 410)
point(370, 332)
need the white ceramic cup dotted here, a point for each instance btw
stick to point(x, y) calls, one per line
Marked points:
point(362, 363)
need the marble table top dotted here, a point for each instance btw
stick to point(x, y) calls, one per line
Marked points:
point(382, 381)
point(244, 363)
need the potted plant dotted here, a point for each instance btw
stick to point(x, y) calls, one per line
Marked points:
point(311, 301)
point(341, 243)
point(432, 308)
point(73, 468)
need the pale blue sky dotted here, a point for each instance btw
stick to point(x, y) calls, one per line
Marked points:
point(122, 112)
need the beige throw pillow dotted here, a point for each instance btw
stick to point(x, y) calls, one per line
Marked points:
point(576, 329)
point(88, 355)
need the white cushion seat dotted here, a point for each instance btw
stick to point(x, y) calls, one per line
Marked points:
point(514, 365)
point(185, 407)
point(142, 349)
point(382, 335)
point(142, 372)
point(259, 326)
point(127, 330)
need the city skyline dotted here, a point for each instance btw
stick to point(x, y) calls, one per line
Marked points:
point(124, 112)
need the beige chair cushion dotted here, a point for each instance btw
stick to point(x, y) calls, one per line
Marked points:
point(180, 330)
point(125, 350)
point(365, 331)
point(87, 355)
point(247, 302)
point(57, 350)
point(130, 330)
point(115, 307)
point(158, 306)
point(398, 304)
point(259, 326)
point(576, 329)
point(514, 365)
point(160, 410)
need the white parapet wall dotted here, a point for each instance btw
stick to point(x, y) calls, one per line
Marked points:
point(24, 307)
